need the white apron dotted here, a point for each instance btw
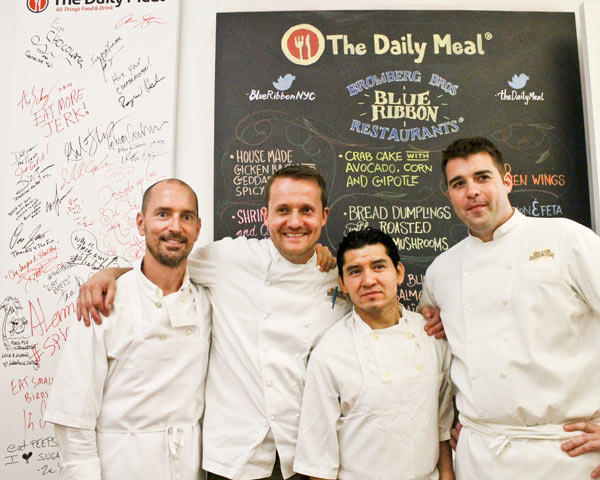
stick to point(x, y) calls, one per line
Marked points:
point(391, 431)
point(488, 451)
point(148, 427)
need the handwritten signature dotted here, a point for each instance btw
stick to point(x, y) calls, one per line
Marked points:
point(140, 22)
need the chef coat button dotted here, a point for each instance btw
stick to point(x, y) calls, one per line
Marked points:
point(503, 374)
point(297, 415)
point(504, 301)
point(266, 315)
point(410, 335)
point(269, 383)
point(509, 267)
point(272, 417)
point(306, 325)
point(480, 413)
point(374, 336)
point(158, 304)
point(474, 376)
point(189, 331)
point(158, 292)
point(294, 384)
point(387, 374)
point(182, 298)
point(297, 355)
point(163, 337)
point(471, 341)
point(505, 338)
point(267, 283)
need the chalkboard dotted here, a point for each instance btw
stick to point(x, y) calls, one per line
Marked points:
point(91, 105)
point(370, 98)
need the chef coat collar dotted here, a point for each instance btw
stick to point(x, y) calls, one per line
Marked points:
point(154, 289)
point(516, 219)
point(365, 328)
point(279, 258)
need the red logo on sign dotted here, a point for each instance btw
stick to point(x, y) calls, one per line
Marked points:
point(303, 44)
point(37, 6)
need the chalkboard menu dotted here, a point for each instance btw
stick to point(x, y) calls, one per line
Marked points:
point(370, 98)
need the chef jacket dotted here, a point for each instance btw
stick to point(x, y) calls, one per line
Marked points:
point(268, 314)
point(521, 313)
point(91, 360)
point(394, 437)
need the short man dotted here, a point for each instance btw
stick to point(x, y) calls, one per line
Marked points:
point(520, 302)
point(271, 305)
point(377, 401)
point(127, 399)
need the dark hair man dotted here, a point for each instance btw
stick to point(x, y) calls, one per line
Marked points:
point(378, 400)
point(520, 302)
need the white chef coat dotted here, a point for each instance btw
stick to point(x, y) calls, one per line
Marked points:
point(92, 363)
point(344, 434)
point(522, 317)
point(268, 314)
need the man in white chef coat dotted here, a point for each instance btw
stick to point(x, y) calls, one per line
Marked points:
point(520, 302)
point(378, 400)
point(271, 304)
point(128, 397)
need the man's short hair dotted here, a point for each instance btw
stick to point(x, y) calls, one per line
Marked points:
point(297, 172)
point(148, 192)
point(463, 147)
point(361, 238)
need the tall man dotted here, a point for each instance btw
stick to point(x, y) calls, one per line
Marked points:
point(127, 398)
point(378, 400)
point(520, 302)
point(271, 305)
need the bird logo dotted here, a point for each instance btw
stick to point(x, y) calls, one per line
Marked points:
point(518, 81)
point(284, 83)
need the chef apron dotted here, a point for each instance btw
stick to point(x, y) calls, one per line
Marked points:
point(148, 427)
point(391, 431)
point(487, 451)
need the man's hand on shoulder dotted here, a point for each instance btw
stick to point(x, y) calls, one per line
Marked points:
point(588, 442)
point(97, 295)
point(325, 260)
point(434, 326)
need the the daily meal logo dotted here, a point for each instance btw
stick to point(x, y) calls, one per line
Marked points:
point(518, 93)
point(403, 106)
point(282, 91)
point(37, 6)
point(304, 44)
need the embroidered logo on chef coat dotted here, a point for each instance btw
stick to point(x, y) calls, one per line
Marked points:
point(541, 254)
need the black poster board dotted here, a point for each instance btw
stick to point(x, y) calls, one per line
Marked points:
point(370, 98)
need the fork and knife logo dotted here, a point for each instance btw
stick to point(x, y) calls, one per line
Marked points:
point(300, 41)
point(303, 44)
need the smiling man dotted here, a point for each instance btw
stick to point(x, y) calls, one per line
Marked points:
point(520, 302)
point(378, 401)
point(128, 397)
point(271, 304)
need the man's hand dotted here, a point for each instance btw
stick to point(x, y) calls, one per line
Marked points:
point(454, 434)
point(98, 294)
point(588, 442)
point(325, 260)
point(434, 326)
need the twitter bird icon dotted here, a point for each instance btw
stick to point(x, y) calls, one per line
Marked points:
point(283, 83)
point(518, 81)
